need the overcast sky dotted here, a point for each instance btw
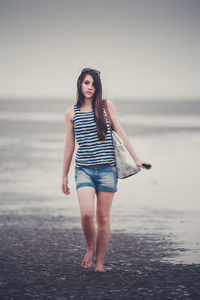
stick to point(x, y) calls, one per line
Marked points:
point(144, 49)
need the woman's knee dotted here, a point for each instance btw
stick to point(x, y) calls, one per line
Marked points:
point(87, 218)
point(102, 220)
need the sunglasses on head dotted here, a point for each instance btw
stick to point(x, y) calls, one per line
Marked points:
point(88, 70)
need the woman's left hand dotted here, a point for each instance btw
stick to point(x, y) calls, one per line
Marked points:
point(140, 162)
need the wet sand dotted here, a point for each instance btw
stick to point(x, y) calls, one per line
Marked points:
point(154, 248)
point(40, 259)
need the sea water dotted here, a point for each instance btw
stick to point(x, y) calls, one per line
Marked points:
point(164, 200)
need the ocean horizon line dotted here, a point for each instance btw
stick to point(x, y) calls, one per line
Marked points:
point(114, 99)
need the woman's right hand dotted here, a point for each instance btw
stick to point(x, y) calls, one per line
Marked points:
point(65, 188)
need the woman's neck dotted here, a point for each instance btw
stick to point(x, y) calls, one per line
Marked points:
point(87, 103)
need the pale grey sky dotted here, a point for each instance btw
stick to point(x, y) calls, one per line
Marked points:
point(143, 48)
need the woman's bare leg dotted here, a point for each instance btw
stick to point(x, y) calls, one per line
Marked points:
point(104, 202)
point(86, 196)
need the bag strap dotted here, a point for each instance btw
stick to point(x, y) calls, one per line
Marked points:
point(107, 113)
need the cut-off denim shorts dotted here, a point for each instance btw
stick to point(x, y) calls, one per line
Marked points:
point(102, 177)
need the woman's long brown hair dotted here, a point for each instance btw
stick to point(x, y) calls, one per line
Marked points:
point(97, 101)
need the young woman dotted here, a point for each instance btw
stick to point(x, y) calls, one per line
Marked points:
point(95, 167)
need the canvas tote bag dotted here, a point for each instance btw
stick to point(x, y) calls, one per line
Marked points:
point(125, 164)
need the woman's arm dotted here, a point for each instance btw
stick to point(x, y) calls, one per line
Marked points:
point(117, 127)
point(68, 149)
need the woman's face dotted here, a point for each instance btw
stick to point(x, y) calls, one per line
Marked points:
point(87, 87)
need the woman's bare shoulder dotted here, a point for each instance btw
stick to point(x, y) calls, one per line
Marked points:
point(111, 106)
point(69, 113)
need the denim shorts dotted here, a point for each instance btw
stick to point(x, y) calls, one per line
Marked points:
point(102, 177)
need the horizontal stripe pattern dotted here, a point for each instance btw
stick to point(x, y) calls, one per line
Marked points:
point(91, 150)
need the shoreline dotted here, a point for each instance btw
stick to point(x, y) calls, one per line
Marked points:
point(154, 245)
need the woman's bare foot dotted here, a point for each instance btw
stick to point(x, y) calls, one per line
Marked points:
point(99, 269)
point(87, 261)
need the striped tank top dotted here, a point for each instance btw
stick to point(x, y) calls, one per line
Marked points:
point(91, 150)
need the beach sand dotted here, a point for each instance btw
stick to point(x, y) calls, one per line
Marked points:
point(154, 248)
point(40, 259)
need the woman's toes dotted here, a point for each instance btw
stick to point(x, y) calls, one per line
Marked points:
point(99, 269)
point(87, 262)
point(86, 265)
